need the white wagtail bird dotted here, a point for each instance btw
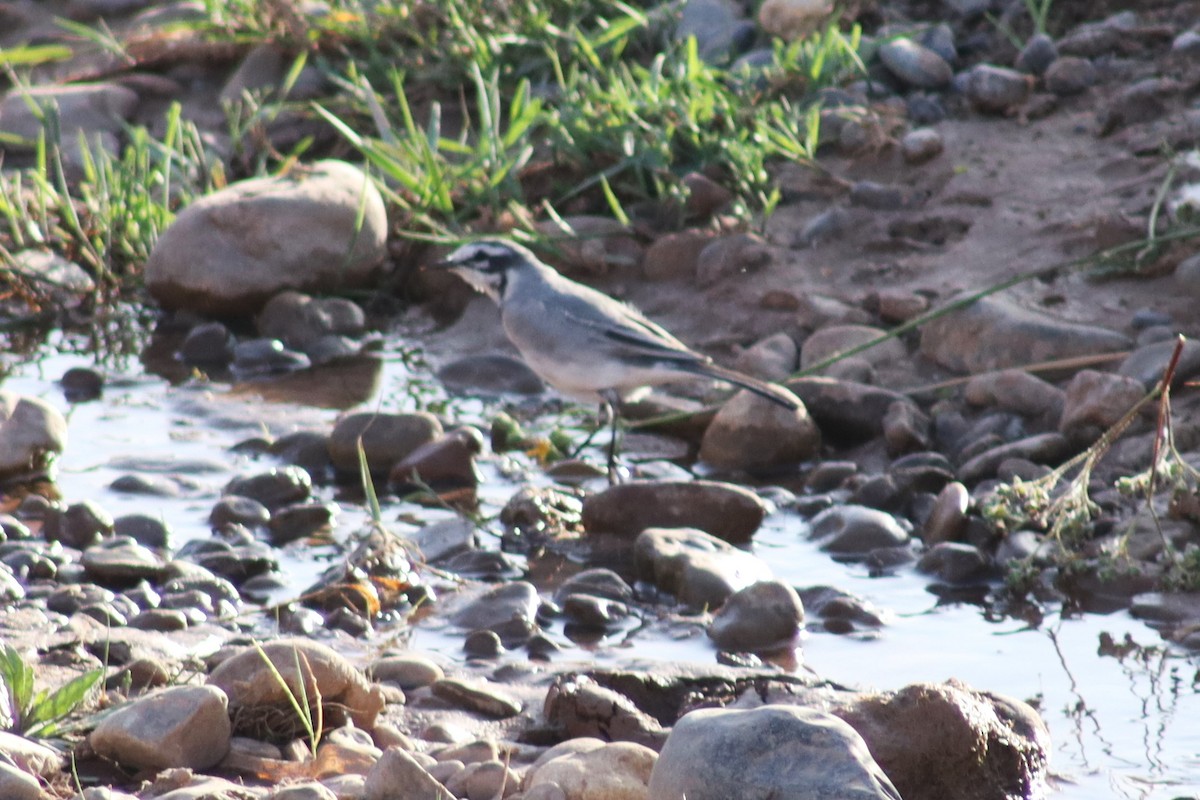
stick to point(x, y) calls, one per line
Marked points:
point(585, 344)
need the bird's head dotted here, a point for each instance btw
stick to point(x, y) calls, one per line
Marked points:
point(488, 264)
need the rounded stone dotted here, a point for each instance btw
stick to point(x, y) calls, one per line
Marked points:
point(795, 752)
point(321, 228)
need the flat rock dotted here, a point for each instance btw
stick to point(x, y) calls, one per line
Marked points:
point(318, 229)
point(993, 334)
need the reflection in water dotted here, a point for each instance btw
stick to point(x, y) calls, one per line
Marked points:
point(341, 384)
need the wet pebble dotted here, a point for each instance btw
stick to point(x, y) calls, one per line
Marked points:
point(847, 412)
point(763, 617)
point(591, 612)
point(921, 145)
point(234, 509)
point(1045, 448)
point(120, 561)
point(258, 357)
point(302, 520)
point(509, 610)
point(448, 462)
point(144, 529)
point(149, 485)
point(81, 525)
point(699, 570)
point(1037, 55)
point(727, 511)
point(1070, 75)
point(81, 384)
point(300, 321)
point(947, 519)
point(486, 565)
point(997, 90)
point(482, 644)
point(905, 428)
point(234, 562)
point(856, 530)
point(600, 582)
point(915, 65)
point(209, 343)
point(274, 488)
point(955, 563)
point(386, 439)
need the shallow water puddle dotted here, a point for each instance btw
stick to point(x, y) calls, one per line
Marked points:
point(1122, 727)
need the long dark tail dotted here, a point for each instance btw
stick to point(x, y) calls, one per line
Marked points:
point(771, 391)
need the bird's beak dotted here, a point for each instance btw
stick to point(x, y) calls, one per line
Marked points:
point(442, 263)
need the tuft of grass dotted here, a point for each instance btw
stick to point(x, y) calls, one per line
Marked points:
point(108, 218)
point(37, 713)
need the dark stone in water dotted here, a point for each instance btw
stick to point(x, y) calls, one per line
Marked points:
point(81, 384)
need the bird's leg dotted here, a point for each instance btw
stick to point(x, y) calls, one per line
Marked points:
point(611, 400)
point(601, 424)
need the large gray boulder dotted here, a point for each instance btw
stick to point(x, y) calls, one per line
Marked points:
point(227, 253)
point(766, 752)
